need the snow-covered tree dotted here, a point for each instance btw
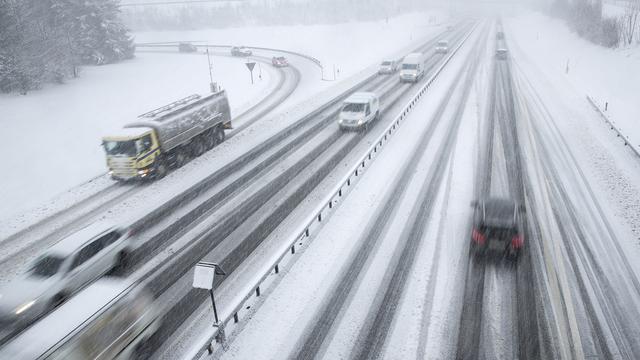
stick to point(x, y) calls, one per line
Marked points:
point(46, 40)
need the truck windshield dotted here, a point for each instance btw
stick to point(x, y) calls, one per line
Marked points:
point(47, 266)
point(443, 43)
point(386, 63)
point(351, 107)
point(409, 66)
point(127, 148)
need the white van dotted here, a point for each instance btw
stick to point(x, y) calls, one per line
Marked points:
point(442, 47)
point(412, 67)
point(358, 110)
point(109, 319)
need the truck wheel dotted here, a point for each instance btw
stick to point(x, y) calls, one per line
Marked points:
point(197, 147)
point(210, 139)
point(181, 158)
point(219, 134)
point(161, 170)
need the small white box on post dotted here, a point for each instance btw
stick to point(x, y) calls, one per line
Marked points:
point(203, 277)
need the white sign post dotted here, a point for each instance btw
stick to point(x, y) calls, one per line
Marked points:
point(250, 66)
point(203, 277)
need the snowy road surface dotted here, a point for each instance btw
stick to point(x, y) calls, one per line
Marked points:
point(389, 274)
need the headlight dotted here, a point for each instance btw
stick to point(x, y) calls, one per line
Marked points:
point(360, 122)
point(339, 121)
point(25, 307)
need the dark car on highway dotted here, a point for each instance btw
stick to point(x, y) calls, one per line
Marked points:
point(496, 228)
point(501, 54)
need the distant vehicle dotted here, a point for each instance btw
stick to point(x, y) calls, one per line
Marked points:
point(279, 61)
point(412, 67)
point(109, 319)
point(442, 47)
point(187, 47)
point(167, 137)
point(240, 51)
point(61, 271)
point(358, 110)
point(496, 228)
point(500, 35)
point(501, 54)
point(388, 67)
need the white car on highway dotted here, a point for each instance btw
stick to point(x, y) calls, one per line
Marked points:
point(358, 110)
point(62, 270)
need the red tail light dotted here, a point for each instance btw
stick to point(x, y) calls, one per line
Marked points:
point(478, 237)
point(517, 241)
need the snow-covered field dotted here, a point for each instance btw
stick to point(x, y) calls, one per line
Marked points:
point(64, 124)
point(608, 75)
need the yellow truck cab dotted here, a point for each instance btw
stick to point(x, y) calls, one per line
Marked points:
point(131, 152)
point(166, 137)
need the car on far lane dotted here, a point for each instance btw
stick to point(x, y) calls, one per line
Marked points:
point(388, 67)
point(62, 270)
point(442, 47)
point(240, 51)
point(187, 48)
point(279, 61)
point(497, 228)
point(501, 54)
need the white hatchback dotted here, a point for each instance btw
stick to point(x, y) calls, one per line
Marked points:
point(62, 270)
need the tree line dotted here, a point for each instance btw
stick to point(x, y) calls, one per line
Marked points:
point(585, 17)
point(43, 41)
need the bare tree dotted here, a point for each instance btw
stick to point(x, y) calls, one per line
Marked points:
point(629, 21)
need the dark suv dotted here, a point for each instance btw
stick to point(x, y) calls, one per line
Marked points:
point(496, 228)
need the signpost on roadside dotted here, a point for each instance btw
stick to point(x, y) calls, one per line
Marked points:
point(250, 66)
point(203, 277)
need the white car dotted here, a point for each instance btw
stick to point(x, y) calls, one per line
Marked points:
point(358, 110)
point(109, 319)
point(442, 47)
point(62, 270)
point(388, 67)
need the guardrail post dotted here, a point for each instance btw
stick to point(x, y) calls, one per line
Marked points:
point(235, 317)
point(330, 204)
point(306, 232)
point(320, 217)
point(258, 291)
point(277, 269)
point(293, 249)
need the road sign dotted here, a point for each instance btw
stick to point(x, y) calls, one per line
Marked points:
point(204, 273)
point(250, 66)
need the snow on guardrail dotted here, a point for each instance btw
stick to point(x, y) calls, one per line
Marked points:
point(613, 126)
point(320, 213)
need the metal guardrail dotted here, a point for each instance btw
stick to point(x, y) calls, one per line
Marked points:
point(613, 126)
point(325, 207)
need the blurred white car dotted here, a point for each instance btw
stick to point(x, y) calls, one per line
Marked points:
point(62, 270)
point(109, 319)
